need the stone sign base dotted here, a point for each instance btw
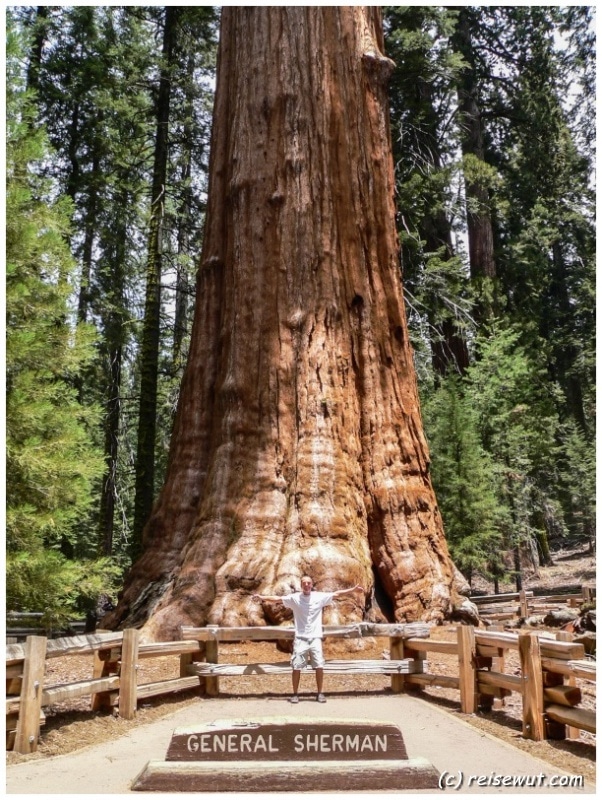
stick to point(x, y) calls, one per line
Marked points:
point(286, 776)
point(284, 754)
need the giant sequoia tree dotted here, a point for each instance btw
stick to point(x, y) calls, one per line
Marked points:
point(298, 445)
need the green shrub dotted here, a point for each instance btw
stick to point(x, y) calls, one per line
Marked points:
point(61, 589)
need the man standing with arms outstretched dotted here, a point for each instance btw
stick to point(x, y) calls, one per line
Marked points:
point(307, 606)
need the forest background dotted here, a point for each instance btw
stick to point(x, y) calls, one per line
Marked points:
point(107, 142)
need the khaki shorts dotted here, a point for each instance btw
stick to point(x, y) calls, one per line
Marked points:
point(304, 648)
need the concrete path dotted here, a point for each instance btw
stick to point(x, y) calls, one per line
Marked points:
point(468, 760)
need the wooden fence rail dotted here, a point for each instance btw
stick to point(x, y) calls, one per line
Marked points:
point(545, 664)
point(549, 669)
point(526, 603)
point(21, 624)
point(396, 633)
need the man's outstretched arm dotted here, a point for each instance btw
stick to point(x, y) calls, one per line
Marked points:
point(353, 589)
point(273, 598)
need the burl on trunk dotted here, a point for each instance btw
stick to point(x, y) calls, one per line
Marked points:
point(298, 443)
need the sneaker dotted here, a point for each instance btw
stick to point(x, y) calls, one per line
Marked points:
point(294, 699)
point(320, 698)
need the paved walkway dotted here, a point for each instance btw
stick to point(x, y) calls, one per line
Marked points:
point(458, 751)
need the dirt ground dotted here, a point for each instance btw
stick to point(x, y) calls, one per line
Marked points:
point(72, 725)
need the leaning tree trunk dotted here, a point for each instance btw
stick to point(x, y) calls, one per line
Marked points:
point(298, 444)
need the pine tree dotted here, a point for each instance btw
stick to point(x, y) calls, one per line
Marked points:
point(529, 223)
point(465, 480)
point(96, 74)
point(543, 201)
point(515, 407)
point(422, 88)
point(52, 466)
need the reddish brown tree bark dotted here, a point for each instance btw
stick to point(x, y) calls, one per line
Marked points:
point(298, 444)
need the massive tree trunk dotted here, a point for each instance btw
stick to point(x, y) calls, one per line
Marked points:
point(298, 444)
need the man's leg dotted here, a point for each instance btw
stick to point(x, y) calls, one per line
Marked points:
point(296, 678)
point(298, 661)
point(317, 657)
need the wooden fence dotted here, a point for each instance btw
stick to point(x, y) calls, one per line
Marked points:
point(526, 603)
point(547, 682)
point(114, 679)
point(20, 625)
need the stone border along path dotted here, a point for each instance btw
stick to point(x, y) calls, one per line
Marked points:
point(451, 745)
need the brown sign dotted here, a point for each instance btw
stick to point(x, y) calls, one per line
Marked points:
point(288, 740)
point(280, 754)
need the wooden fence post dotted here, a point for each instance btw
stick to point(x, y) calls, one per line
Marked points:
point(524, 604)
point(532, 678)
point(396, 652)
point(30, 707)
point(566, 636)
point(104, 664)
point(467, 652)
point(128, 677)
point(211, 657)
point(497, 664)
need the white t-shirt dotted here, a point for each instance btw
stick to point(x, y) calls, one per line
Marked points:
point(307, 611)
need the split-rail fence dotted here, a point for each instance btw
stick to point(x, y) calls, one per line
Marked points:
point(549, 671)
point(526, 603)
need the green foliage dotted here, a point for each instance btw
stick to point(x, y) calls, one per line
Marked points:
point(52, 466)
point(62, 589)
point(97, 85)
point(478, 173)
point(515, 407)
point(539, 143)
point(464, 478)
point(577, 481)
point(530, 386)
point(426, 162)
point(506, 472)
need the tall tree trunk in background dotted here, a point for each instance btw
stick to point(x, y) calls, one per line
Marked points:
point(90, 229)
point(114, 339)
point(185, 215)
point(298, 443)
point(518, 572)
point(449, 347)
point(480, 229)
point(39, 24)
point(562, 366)
point(149, 351)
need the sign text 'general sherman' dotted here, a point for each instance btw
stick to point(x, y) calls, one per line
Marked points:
point(281, 741)
point(212, 743)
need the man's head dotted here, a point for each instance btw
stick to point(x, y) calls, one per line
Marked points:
point(306, 584)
